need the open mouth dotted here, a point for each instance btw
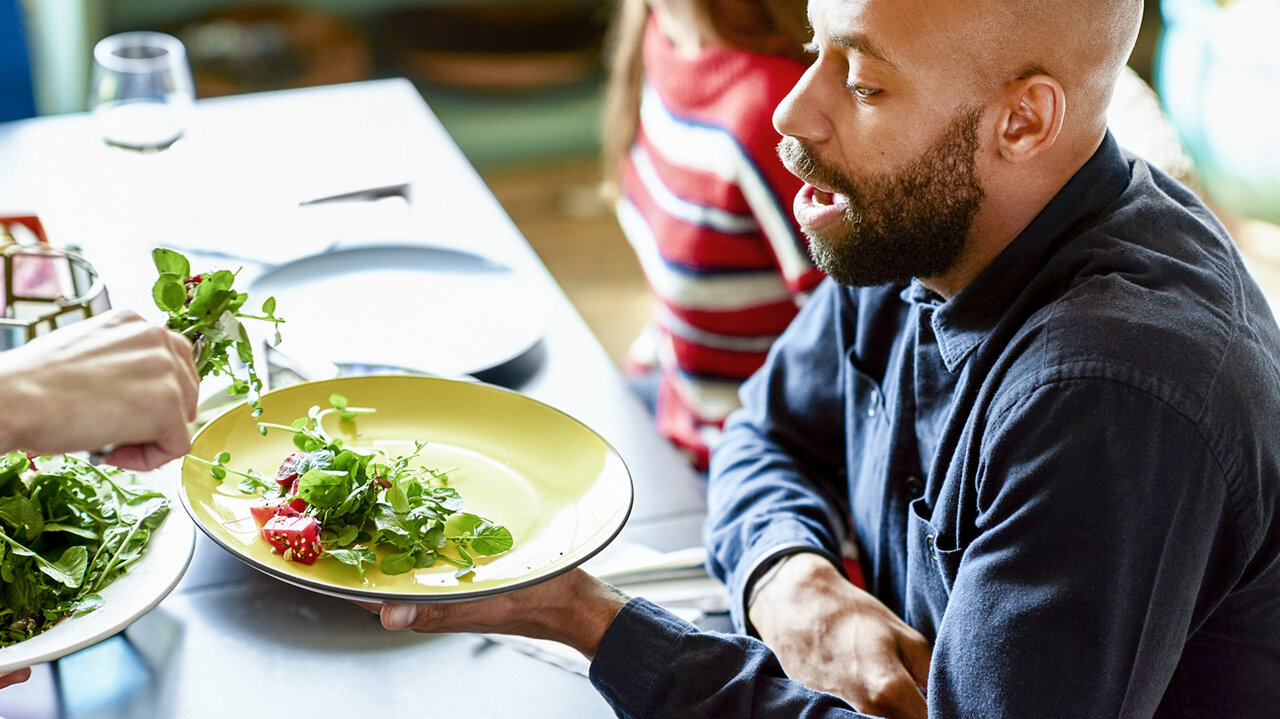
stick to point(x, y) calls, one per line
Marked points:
point(827, 197)
point(816, 207)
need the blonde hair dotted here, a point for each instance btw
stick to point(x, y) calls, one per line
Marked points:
point(773, 27)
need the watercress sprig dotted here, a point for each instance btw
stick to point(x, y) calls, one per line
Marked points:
point(205, 309)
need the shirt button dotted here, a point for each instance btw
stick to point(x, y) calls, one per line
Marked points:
point(915, 487)
point(930, 543)
point(875, 402)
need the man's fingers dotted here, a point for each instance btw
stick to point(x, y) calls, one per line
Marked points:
point(896, 697)
point(399, 616)
point(147, 456)
point(14, 677)
point(917, 656)
point(189, 381)
point(496, 614)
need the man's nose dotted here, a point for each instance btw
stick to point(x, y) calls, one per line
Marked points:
point(800, 113)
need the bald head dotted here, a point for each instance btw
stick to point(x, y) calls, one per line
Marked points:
point(1083, 44)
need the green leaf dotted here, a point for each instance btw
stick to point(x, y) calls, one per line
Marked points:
point(398, 562)
point(354, 557)
point(149, 509)
point(269, 306)
point(23, 516)
point(86, 604)
point(396, 498)
point(482, 535)
point(255, 484)
point(468, 565)
point(169, 293)
point(391, 527)
point(82, 532)
point(70, 567)
point(324, 488)
point(168, 261)
point(446, 498)
point(338, 401)
point(346, 536)
point(491, 539)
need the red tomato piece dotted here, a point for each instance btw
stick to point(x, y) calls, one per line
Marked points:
point(289, 469)
point(297, 538)
point(265, 509)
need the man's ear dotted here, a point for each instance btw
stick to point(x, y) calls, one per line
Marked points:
point(1030, 117)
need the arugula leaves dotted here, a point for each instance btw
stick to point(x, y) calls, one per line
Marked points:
point(206, 310)
point(65, 534)
point(373, 508)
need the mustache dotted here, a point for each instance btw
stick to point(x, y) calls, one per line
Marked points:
point(804, 163)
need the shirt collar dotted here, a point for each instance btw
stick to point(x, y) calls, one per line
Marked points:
point(963, 322)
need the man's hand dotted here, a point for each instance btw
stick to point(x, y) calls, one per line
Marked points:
point(574, 609)
point(17, 676)
point(836, 638)
point(111, 380)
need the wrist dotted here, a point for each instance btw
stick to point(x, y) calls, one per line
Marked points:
point(15, 392)
point(790, 581)
point(581, 621)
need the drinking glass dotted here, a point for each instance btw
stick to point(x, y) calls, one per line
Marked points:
point(141, 91)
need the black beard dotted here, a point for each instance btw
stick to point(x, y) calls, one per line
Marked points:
point(899, 226)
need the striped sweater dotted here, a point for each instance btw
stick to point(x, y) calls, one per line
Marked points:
point(706, 204)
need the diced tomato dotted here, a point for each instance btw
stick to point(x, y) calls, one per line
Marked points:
point(267, 508)
point(289, 469)
point(297, 538)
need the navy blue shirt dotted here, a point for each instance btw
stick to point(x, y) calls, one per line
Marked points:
point(1065, 476)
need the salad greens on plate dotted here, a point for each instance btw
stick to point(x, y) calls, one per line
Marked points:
point(67, 530)
point(328, 500)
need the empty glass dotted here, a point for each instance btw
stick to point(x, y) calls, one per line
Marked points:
point(141, 92)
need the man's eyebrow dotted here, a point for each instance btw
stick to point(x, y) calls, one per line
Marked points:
point(863, 44)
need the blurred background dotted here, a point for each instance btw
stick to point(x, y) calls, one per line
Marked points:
point(518, 84)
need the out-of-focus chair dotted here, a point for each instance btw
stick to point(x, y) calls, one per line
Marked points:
point(17, 94)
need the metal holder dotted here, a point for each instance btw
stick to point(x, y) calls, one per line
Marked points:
point(45, 287)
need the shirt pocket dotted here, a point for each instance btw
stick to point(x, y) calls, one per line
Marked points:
point(932, 566)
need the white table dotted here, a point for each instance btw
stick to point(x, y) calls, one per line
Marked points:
point(230, 641)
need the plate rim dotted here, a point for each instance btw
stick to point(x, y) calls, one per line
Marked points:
point(446, 597)
point(17, 660)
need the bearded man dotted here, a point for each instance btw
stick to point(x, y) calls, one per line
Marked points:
point(1040, 394)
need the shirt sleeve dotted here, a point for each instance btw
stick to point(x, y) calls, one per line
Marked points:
point(653, 664)
point(1095, 502)
point(778, 472)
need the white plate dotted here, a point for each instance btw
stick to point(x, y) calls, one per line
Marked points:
point(133, 594)
point(431, 309)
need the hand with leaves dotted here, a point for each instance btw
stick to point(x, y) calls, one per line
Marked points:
point(206, 310)
point(114, 379)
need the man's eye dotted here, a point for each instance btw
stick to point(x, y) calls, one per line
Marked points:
point(862, 91)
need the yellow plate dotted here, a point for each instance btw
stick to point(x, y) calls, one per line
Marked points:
point(560, 489)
